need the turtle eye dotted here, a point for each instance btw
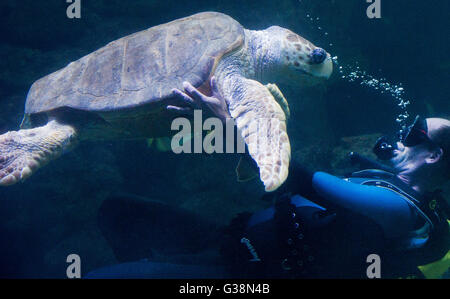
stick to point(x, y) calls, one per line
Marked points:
point(318, 56)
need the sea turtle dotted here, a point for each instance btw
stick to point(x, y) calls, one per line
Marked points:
point(122, 91)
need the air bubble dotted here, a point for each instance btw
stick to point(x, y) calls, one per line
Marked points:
point(381, 85)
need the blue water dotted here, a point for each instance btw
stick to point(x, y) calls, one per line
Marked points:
point(387, 70)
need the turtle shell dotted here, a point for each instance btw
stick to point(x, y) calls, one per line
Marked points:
point(141, 68)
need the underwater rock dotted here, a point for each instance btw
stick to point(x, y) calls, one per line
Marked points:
point(332, 157)
point(362, 144)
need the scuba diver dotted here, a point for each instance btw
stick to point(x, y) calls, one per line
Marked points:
point(321, 226)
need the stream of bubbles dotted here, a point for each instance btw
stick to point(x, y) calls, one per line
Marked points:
point(353, 73)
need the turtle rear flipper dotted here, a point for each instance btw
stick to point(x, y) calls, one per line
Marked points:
point(262, 123)
point(23, 152)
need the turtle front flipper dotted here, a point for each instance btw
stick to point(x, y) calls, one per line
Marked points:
point(262, 124)
point(23, 152)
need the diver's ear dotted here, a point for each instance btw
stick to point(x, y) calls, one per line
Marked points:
point(434, 156)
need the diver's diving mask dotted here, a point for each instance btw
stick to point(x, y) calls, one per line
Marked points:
point(414, 135)
point(417, 133)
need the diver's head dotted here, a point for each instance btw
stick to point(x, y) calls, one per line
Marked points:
point(298, 59)
point(422, 156)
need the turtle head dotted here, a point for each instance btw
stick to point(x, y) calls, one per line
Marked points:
point(299, 59)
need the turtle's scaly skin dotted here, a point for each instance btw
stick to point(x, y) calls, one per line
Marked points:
point(23, 152)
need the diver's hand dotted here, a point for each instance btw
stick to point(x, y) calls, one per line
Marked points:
point(197, 100)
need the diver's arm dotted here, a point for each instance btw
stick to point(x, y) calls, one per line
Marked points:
point(385, 207)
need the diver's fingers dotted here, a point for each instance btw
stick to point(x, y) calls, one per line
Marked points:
point(218, 99)
point(214, 87)
point(183, 97)
point(198, 97)
point(180, 110)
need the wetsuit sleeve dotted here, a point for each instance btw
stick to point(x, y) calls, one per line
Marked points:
point(384, 206)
